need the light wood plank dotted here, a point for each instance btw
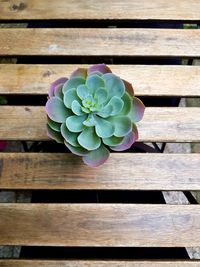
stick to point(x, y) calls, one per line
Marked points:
point(66, 171)
point(99, 263)
point(147, 80)
point(87, 9)
point(100, 42)
point(159, 124)
point(120, 225)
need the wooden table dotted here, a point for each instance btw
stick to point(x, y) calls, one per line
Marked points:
point(88, 37)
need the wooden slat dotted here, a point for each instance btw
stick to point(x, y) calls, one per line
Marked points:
point(99, 263)
point(120, 225)
point(100, 42)
point(86, 9)
point(66, 171)
point(147, 80)
point(159, 124)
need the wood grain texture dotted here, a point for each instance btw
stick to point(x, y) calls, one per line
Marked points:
point(66, 171)
point(159, 124)
point(147, 80)
point(87, 9)
point(91, 263)
point(120, 225)
point(100, 42)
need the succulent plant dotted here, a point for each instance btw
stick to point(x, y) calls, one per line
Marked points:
point(92, 111)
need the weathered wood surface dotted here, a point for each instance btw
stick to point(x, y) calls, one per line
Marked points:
point(100, 42)
point(66, 171)
point(91, 263)
point(158, 124)
point(87, 9)
point(147, 80)
point(120, 225)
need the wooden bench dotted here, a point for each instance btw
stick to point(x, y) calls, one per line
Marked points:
point(100, 224)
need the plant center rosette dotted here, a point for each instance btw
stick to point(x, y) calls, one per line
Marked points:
point(93, 111)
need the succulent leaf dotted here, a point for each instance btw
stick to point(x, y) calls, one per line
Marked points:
point(82, 91)
point(69, 137)
point(79, 151)
point(114, 84)
point(94, 82)
point(54, 135)
point(99, 68)
point(69, 97)
point(79, 73)
point(73, 83)
point(54, 84)
point(56, 110)
point(104, 128)
point(137, 110)
point(122, 125)
point(75, 123)
point(53, 125)
point(77, 108)
point(96, 157)
point(88, 139)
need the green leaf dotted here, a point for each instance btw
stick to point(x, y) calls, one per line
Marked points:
point(105, 111)
point(137, 110)
point(127, 99)
point(58, 91)
point(69, 97)
point(56, 110)
point(122, 125)
point(94, 82)
point(79, 151)
point(90, 121)
point(114, 85)
point(117, 105)
point(82, 91)
point(88, 139)
point(70, 137)
point(54, 135)
point(97, 157)
point(75, 123)
point(113, 141)
point(76, 108)
point(72, 83)
point(101, 95)
point(54, 125)
point(103, 128)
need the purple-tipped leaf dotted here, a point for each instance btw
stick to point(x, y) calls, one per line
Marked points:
point(80, 72)
point(53, 85)
point(127, 142)
point(56, 110)
point(102, 68)
point(79, 151)
point(96, 157)
point(54, 135)
point(137, 110)
point(129, 87)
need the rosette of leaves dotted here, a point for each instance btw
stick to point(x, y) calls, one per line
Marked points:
point(92, 112)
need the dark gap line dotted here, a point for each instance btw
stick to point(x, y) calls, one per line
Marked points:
point(40, 100)
point(101, 23)
point(91, 253)
point(98, 196)
point(53, 147)
point(118, 60)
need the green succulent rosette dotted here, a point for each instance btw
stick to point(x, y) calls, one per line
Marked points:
point(93, 111)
